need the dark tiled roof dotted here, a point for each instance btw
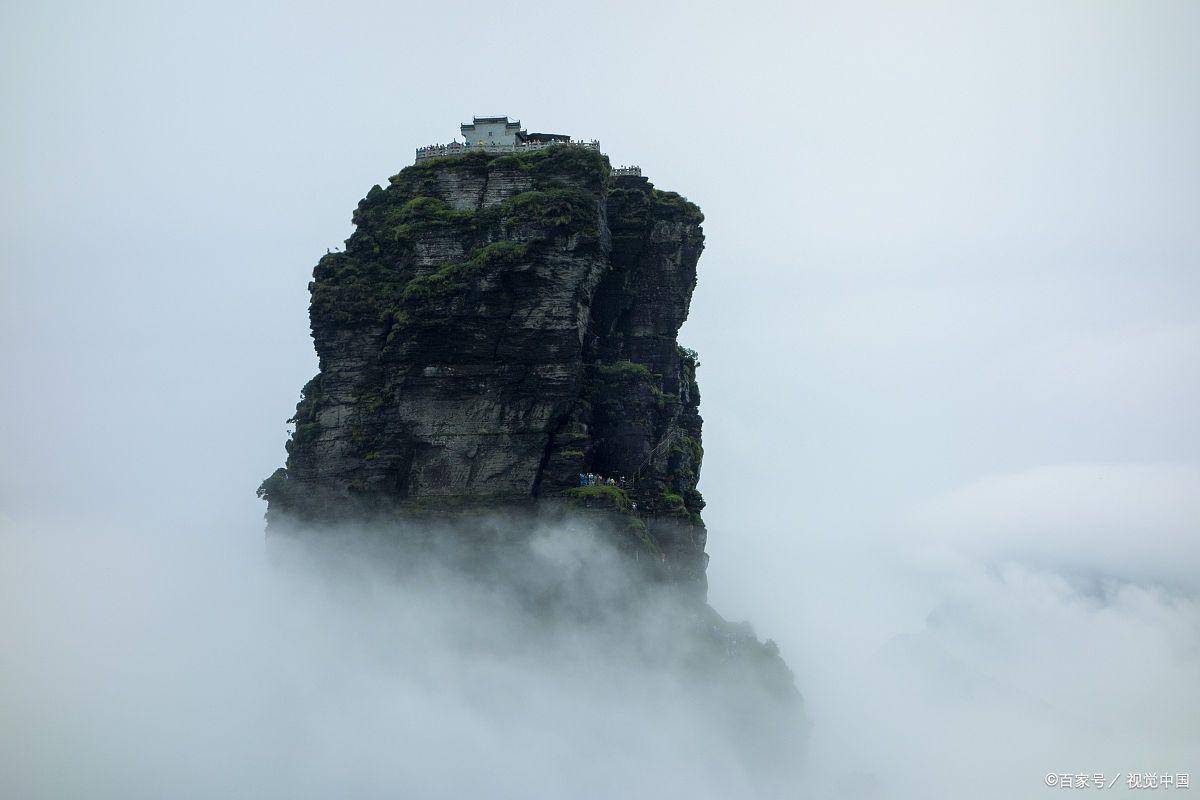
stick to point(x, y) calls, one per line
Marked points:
point(490, 120)
point(547, 137)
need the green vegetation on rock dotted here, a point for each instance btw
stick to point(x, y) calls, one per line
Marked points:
point(558, 210)
point(676, 207)
point(672, 500)
point(454, 277)
point(422, 214)
point(456, 281)
point(635, 210)
point(550, 167)
point(613, 496)
point(624, 370)
point(689, 357)
point(558, 166)
point(275, 486)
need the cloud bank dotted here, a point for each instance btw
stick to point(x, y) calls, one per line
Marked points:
point(211, 667)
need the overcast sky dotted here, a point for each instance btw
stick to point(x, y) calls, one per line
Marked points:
point(947, 313)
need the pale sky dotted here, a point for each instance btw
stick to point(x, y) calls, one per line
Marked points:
point(947, 314)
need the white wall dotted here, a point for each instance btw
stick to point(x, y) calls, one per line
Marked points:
point(491, 132)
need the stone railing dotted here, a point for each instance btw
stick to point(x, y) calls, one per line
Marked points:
point(623, 170)
point(456, 149)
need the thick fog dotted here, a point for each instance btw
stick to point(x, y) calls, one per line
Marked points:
point(947, 319)
point(203, 668)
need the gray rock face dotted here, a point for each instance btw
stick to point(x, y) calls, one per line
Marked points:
point(495, 327)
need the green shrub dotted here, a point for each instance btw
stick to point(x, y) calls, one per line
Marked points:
point(566, 210)
point(624, 370)
point(674, 206)
point(453, 277)
point(634, 210)
point(421, 214)
point(612, 495)
point(550, 165)
point(310, 398)
point(688, 447)
point(274, 486)
point(510, 161)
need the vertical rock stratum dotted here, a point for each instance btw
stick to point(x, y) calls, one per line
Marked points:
point(497, 325)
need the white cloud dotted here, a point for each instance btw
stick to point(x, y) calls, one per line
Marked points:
point(1134, 521)
point(142, 663)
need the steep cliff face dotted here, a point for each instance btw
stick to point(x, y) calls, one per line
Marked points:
point(496, 326)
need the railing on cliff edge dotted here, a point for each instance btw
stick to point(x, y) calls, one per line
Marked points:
point(456, 149)
point(656, 452)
